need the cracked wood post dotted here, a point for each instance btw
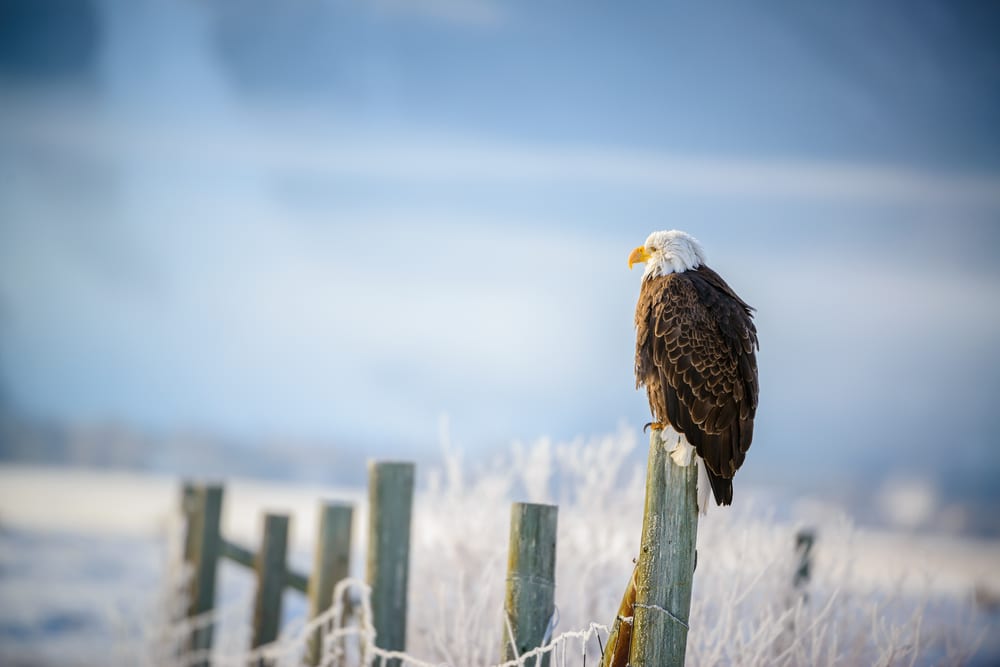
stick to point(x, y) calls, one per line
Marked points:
point(202, 505)
point(620, 637)
point(530, 598)
point(271, 567)
point(665, 569)
point(390, 508)
point(331, 564)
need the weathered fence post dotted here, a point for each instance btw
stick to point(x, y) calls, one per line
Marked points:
point(271, 568)
point(202, 544)
point(390, 507)
point(331, 564)
point(530, 598)
point(798, 594)
point(804, 541)
point(665, 569)
point(189, 506)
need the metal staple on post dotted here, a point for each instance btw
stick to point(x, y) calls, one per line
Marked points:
point(529, 602)
point(390, 508)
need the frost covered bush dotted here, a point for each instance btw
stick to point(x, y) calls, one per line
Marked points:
point(745, 610)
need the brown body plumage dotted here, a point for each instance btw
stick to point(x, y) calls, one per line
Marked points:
point(696, 355)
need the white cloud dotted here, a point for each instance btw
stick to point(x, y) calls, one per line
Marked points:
point(276, 145)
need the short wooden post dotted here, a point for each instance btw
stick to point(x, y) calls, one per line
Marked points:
point(331, 564)
point(202, 545)
point(804, 541)
point(270, 568)
point(665, 569)
point(390, 507)
point(805, 538)
point(189, 508)
point(531, 569)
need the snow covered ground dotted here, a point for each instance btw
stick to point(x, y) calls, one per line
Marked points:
point(85, 576)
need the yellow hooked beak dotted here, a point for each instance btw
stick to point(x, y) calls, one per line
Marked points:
point(638, 256)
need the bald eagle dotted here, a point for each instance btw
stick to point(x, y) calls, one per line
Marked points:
point(695, 352)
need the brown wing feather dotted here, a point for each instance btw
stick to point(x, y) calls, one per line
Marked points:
point(695, 354)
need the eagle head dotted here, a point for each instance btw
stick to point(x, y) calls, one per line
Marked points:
point(666, 252)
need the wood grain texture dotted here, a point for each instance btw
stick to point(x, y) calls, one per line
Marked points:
point(531, 569)
point(390, 498)
point(331, 564)
point(271, 573)
point(665, 571)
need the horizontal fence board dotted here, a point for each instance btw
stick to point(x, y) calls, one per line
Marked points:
point(297, 581)
point(238, 554)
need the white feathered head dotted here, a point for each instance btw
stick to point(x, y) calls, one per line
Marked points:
point(666, 252)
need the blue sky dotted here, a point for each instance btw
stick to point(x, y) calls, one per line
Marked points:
point(341, 220)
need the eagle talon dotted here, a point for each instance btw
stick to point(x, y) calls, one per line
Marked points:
point(656, 426)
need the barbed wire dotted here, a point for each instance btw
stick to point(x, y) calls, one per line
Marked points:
point(348, 639)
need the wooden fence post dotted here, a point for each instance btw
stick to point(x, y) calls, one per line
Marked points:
point(202, 544)
point(530, 598)
point(665, 569)
point(805, 538)
point(390, 507)
point(271, 568)
point(331, 564)
point(804, 541)
point(189, 508)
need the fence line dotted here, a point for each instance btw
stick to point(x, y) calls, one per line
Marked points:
point(285, 650)
point(380, 626)
point(355, 623)
point(204, 547)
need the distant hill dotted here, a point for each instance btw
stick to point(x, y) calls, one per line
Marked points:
point(116, 445)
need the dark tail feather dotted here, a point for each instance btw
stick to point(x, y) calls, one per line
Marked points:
point(722, 488)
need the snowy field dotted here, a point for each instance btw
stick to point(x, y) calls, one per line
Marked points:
point(86, 574)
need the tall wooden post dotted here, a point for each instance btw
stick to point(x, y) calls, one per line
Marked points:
point(665, 569)
point(202, 545)
point(331, 564)
point(270, 567)
point(531, 574)
point(390, 507)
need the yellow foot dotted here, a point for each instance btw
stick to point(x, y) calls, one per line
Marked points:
point(656, 426)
